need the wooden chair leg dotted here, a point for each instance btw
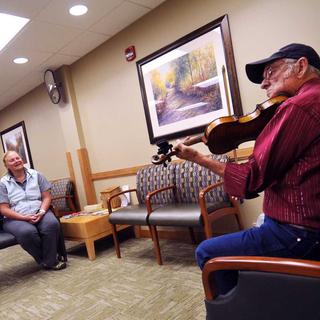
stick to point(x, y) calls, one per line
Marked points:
point(151, 234)
point(61, 246)
point(193, 238)
point(156, 245)
point(208, 230)
point(115, 240)
point(239, 221)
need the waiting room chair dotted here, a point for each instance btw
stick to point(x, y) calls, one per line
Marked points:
point(199, 200)
point(63, 196)
point(267, 289)
point(148, 179)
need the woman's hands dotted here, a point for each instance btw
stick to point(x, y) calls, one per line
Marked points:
point(33, 218)
point(9, 213)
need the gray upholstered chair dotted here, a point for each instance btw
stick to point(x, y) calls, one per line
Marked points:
point(181, 194)
point(63, 196)
point(199, 201)
point(268, 288)
point(147, 179)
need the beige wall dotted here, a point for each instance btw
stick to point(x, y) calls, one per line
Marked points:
point(107, 92)
point(43, 130)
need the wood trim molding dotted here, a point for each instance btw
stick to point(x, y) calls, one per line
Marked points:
point(70, 167)
point(73, 179)
point(86, 176)
point(117, 173)
point(172, 234)
point(241, 154)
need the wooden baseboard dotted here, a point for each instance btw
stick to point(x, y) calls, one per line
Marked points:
point(167, 234)
point(174, 234)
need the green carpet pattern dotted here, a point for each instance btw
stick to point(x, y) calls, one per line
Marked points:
point(134, 287)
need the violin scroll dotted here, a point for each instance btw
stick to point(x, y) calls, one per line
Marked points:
point(164, 153)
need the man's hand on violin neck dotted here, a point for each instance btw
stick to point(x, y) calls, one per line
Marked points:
point(185, 152)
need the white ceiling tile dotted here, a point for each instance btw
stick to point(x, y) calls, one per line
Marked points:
point(30, 81)
point(8, 81)
point(45, 37)
point(35, 57)
point(27, 83)
point(54, 38)
point(120, 18)
point(23, 8)
point(11, 73)
point(5, 100)
point(57, 12)
point(148, 3)
point(84, 44)
point(56, 61)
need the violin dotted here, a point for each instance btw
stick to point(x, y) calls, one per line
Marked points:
point(227, 133)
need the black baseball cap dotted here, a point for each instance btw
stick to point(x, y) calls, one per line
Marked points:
point(255, 70)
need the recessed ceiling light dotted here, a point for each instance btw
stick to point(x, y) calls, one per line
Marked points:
point(78, 10)
point(20, 60)
point(10, 26)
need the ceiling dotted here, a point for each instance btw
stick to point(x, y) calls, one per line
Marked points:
point(54, 38)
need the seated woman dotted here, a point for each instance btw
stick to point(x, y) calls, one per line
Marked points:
point(24, 202)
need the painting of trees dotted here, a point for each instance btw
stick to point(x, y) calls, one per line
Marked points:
point(190, 82)
point(186, 86)
point(15, 139)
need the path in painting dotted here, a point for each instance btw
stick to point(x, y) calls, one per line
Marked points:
point(180, 106)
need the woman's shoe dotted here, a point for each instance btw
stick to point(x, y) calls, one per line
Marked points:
point(59, 266)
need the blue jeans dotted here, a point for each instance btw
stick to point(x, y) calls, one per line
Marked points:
point(271, 239)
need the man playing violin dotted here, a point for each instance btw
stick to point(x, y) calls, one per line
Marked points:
point(285, 164)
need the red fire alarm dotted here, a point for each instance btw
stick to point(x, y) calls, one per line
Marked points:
point(130, 53)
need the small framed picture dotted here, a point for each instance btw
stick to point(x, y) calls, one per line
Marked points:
point(15, 139)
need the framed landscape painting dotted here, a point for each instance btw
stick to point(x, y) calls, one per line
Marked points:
point(189, 83)
point(15, 138)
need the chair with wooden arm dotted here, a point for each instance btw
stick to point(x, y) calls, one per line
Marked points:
point(147, 180)
point(214, 212)
point(199, 201)
point(132, 215)
point(267, 288)
point(63, 194)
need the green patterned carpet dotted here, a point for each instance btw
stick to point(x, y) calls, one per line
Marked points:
point(131, 288)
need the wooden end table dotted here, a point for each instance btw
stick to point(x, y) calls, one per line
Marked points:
point(87, 229)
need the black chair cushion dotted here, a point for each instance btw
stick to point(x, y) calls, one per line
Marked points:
point(265, 296)
point(7, 239)
point(181, 214)
point(217, 205)
point(131, 215)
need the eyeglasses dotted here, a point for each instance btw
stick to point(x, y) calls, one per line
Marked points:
point(270, 71)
